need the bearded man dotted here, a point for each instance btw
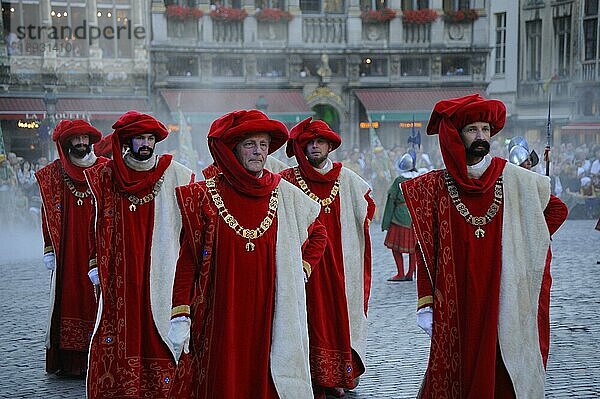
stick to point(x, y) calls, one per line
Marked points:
point(137, 230)
point(239, 286)
point(339, 288)
point(483, 229)
point(67, 216)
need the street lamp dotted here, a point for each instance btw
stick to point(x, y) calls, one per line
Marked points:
point(50, 103)
point(262, 104)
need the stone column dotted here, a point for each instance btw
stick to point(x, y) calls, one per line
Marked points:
point(396, 26)
point(295, 25)
point(354, 23)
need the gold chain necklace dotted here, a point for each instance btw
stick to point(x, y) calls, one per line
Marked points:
point(81, 195)
point(324, 202)
point(135, 201)
point(464, 211)
point(250, 234)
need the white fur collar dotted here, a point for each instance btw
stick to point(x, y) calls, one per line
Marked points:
point(84, 162)
point(477, 170)
point(140, 166)
point(326, 168)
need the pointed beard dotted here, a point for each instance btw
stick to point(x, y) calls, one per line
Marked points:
point(316, 161)
point(477, 152)
point(80, 150)
point(141, 157)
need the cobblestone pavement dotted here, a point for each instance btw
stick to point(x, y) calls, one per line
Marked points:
point(397, 349)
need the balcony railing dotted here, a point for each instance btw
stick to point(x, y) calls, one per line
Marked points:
point(324, 30)
point(533, 90)
point(589, 71)
point(417, 33)
point(228, 32)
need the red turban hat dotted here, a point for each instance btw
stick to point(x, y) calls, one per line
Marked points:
point(229, 130)
point(67, 129)
point(235, 126)
point(133, 123)
point(468, 109)
point(306, 131)
point(103, 148)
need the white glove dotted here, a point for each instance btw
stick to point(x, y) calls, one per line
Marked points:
point(50, 261)
point(179, 335)
point(93, 275)
point(425, 319)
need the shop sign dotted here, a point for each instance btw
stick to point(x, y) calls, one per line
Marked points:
point(28, 124)
point(409, 125)
point(368, 125)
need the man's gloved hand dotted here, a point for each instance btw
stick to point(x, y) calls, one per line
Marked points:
point(425, 319)
point(179, 335)
point(93, 275)
point(50, 261)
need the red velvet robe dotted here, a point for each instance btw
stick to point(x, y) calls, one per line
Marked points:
point(65, 226)
point(127, 355)
point(232, 294)
point(333, 362)
point(465, 360)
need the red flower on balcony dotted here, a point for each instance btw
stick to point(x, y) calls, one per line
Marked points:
point(182, 13)
point(419, 17)
point(273, 15)
point(226, 14)
point(461, 16)
point(378, 16)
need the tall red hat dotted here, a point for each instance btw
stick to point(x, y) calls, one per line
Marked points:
point(306, 131)
point(103, 148)
point(133, 123)
point(67, 129)
point(233, 127)
point(468, 109)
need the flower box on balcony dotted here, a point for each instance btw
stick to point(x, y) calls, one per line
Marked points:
point(378, 16)
point(419, 17)
point(181, 13)
point(461, 16)
point(273, 15)
point(226, 14)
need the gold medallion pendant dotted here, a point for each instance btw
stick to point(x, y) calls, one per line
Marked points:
point(135, 201)
point(477, 221)
point(231, 221)
point(324, 202)
point(80, 195)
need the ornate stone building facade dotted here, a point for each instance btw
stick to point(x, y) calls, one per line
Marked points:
point(67, 60)
point(355, 64)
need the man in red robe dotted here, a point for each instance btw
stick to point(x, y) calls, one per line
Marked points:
point(67, 214)
point(239, 282)
point(137, 230)
point(338, 290)
point(483, 229)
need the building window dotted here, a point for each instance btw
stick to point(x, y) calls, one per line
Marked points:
point(271, 67)
point(371, 66)
point(228, 67)
point(183, 66)
point(590, 30)
point(414, 4)
point(227, 3)
point(414, 67)
point(114, 18)
point(533, 31)
point(562, 40)
point(311, 66)
point(455, 66)
point(373, 4)
point(17, 17)
point(500, 43)
point(455, 5)
point(325, 6)
point(269, 4)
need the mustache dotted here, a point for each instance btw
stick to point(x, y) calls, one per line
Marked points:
point(481, 143)
point(145, 147)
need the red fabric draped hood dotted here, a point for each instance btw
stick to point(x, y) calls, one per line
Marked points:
point(63, 132)
point(300, 135)
point(131, 124)
point(104, 147)
point(227, 131)
point(448, 118)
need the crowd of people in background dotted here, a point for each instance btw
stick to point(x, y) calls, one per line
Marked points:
point(20, 202)
point(574, 172)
